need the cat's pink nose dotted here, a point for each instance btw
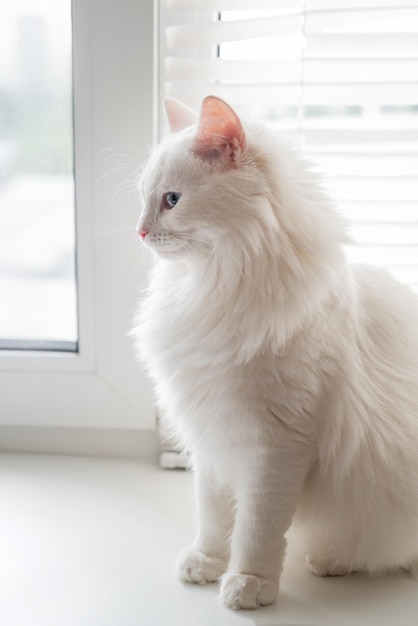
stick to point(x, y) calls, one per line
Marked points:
point(143, 232)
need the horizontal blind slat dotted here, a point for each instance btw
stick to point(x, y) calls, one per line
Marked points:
point(319, 20)
point(215, 6)
point(353, 136)
point(261, 5)
point(384, 256)
point(385, 164)
point(388, 212)
point(362, 44)
point(390, 93)
point(375, 190)
point(376, 179)
point(332, 45)
point(361, 4)
point(393, 234)
point(277, 70)
point(217, 32)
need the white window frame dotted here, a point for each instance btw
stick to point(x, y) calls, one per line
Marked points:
point(101, 387)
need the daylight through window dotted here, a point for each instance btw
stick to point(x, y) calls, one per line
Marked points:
point(37, 217)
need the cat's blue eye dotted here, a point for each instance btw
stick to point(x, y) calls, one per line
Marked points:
point(170, 199)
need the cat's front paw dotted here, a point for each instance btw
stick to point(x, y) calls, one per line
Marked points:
point(193, 566)
point(245, 591)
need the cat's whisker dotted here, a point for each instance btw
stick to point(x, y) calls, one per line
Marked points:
point(119, 151)
point(190, 237)
point(122, 193)
point(117, 170)
point(123, 156)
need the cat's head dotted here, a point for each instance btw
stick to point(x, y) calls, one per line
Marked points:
point(247, 213)
point(203, 186)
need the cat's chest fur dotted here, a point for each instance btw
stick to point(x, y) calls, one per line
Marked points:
point(216, 400)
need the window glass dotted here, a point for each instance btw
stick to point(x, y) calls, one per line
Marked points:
point(38, 296)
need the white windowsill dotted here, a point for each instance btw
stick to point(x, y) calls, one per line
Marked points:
point(93, 542)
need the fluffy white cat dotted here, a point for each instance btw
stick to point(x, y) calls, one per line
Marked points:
point(289, 376)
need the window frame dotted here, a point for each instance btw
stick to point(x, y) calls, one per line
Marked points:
point(101, 386)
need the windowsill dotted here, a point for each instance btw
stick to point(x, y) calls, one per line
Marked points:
point(93, 542)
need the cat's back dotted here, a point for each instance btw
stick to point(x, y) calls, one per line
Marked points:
point(386, 322)
point(387, 309)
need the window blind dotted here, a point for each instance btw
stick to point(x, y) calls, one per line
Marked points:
point(339, 77)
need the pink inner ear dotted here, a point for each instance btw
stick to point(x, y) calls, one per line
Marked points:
point(179, 116)
point(219, 129)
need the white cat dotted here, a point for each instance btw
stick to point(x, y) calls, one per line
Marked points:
point(291, 377)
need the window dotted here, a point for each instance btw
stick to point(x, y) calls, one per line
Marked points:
point(100, 386)
point(37, 233)
point(339, 78)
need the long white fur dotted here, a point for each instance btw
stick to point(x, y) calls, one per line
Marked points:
point(290, 376)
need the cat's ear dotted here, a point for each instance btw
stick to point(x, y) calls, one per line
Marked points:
point(220, 134)
point(179, 116)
